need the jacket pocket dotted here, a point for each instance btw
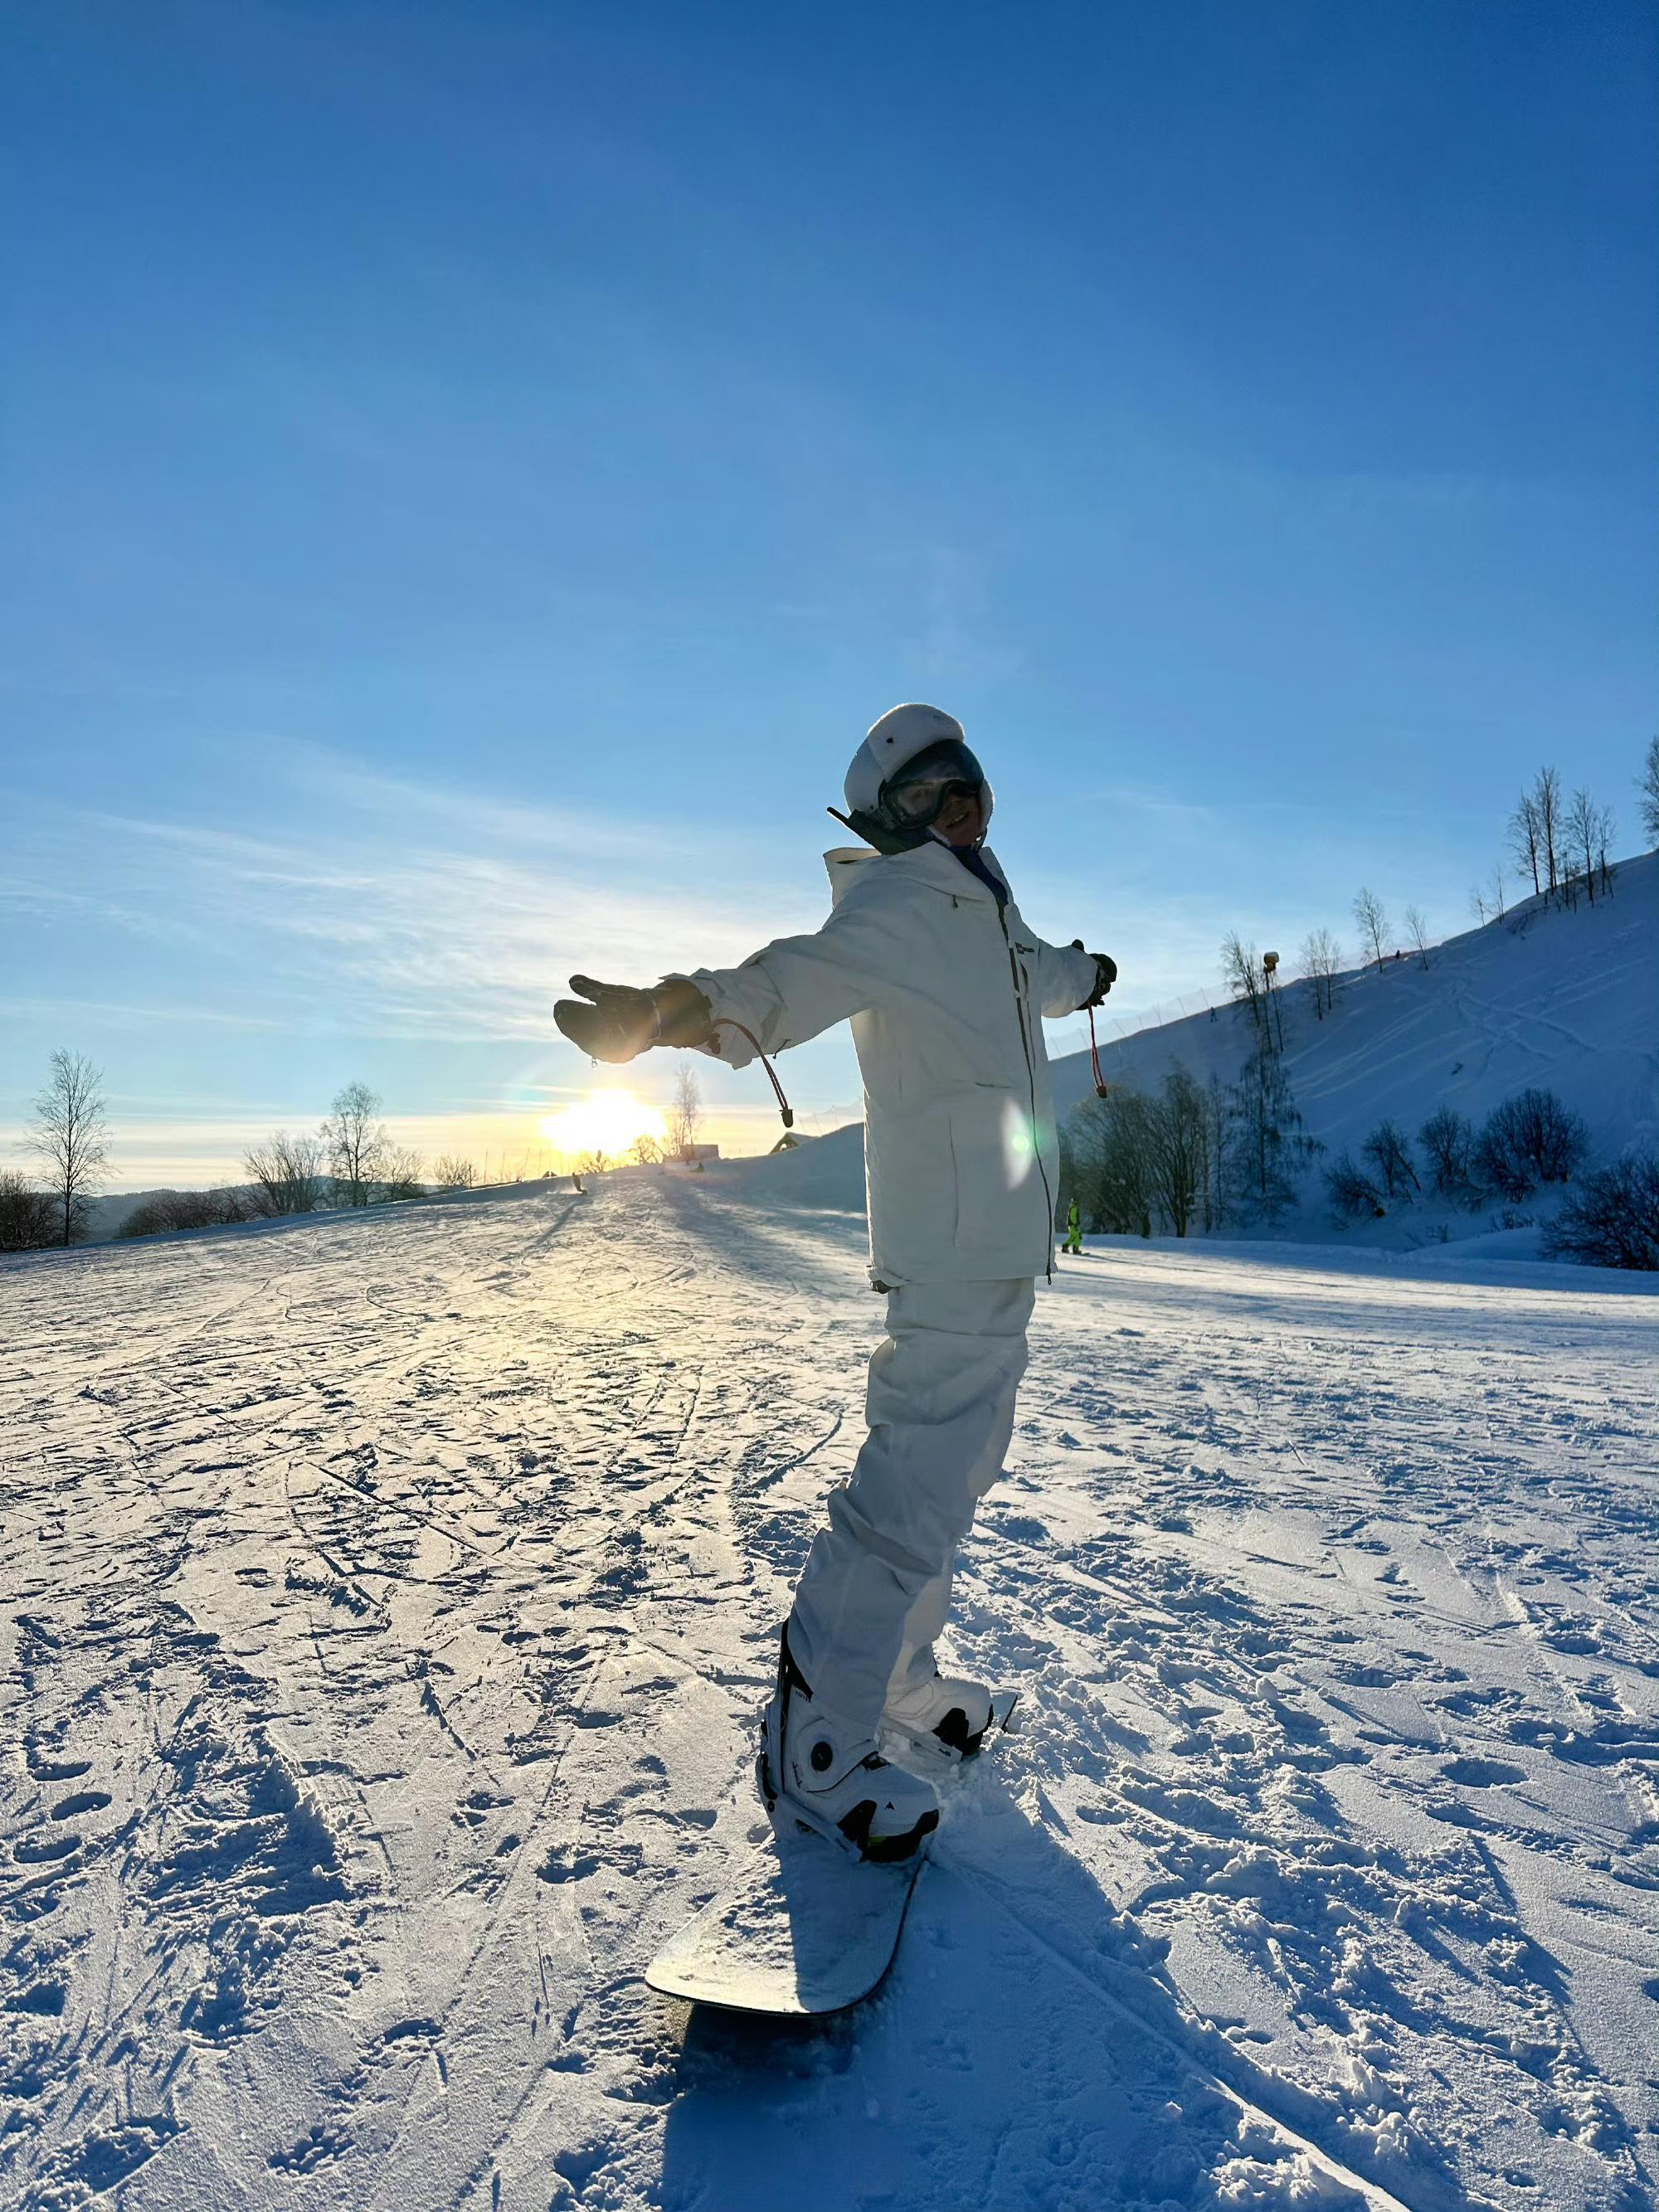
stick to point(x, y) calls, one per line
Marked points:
point(999, 1195)
point(914, 1186)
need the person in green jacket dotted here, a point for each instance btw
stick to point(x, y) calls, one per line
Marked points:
point(1073, 1230)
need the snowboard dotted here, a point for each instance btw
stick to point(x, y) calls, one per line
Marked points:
point(802, 1928)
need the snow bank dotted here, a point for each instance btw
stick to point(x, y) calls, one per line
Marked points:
point(822, 1173)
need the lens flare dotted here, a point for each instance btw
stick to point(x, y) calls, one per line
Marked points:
point(607, 1121)
point(1019, 1145)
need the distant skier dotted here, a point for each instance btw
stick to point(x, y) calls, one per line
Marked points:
point(927, 954)
point(1073, 1229)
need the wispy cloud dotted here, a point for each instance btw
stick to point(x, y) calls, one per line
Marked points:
point(1197, 815)
point(467, 816)
point(432, 926)
point(419, 913)
point(133, 1015)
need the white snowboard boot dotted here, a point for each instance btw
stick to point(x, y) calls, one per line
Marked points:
point(945, 1716)
point(810, 1770)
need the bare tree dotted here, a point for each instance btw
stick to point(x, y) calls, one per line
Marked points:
point(1417, 929)
point(1368, 912)
point(1530, 1139)
point(1241, 971)
point(1605, 868)
point(1587, 835)
point(1111, 1163)
point(1547, 802)
point(684, 1112)
point(29, 1217)
point(1267, 1141)
point(648, 1150)
point(171, 1210)
point(286, 1173)
point(1352, 1193)
point(1321, 957)
point(1177, 1148)
point(401, 1174)
point(1577, 837)
point(1477, 903)
point(69, 1136)
point(1389, 1154)
point(1647, 785)
point(1613, 1219)
point(1448, 1141)
point(451, 1172)
point(1527, 837)
point(357, 1143)
point(1499, 886)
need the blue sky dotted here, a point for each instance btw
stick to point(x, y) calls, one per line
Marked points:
point(471, 474)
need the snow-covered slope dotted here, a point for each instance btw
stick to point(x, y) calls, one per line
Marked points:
point(386, 1603)
point(827, 1173)
point(1567, 1000)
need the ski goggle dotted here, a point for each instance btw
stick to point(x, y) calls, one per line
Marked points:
point(912, 797)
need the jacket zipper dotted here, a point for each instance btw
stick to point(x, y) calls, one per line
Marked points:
point(1030, 1079)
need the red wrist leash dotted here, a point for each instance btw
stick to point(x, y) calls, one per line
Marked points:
point(1101, 1086)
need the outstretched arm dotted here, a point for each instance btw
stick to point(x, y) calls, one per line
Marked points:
point(787, 992)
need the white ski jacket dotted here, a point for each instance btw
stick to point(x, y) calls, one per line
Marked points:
point(944, 995)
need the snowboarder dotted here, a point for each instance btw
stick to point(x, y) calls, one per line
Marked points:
point(926, 953)
point(1073, 1230)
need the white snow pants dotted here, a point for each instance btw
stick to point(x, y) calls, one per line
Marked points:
point(876, 1584)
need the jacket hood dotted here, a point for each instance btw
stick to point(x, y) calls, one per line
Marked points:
point(932, 864)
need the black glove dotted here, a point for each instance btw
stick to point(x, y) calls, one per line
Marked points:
point(621, 1022)
point(1105, 973)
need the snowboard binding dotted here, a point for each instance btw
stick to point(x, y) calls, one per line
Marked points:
point(809, 1772)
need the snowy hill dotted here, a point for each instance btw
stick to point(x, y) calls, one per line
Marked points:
point(1568, 1001)
point(827, 1174)
point(386, 1602)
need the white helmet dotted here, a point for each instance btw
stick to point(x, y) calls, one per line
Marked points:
point(900, 738)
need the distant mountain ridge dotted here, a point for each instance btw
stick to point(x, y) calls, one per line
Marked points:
point(105, 1214)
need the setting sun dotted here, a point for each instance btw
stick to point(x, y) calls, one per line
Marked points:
point(607, 1121)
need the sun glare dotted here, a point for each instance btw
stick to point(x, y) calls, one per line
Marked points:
point(607, 1121)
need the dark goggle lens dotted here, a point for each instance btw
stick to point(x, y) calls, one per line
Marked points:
point(915, 796)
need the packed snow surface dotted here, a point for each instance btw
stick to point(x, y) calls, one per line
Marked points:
point(385, 1606)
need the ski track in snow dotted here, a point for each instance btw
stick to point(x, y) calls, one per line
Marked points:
point(385, 1605)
